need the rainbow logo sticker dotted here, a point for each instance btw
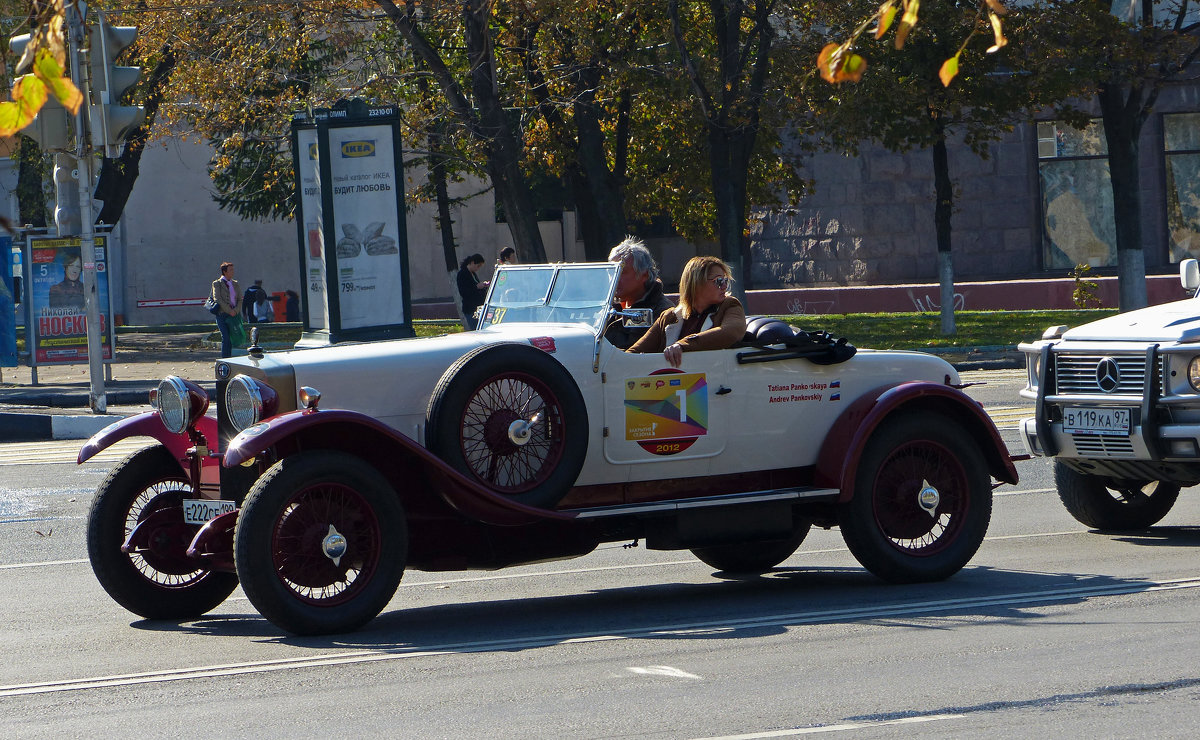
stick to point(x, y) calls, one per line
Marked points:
point(666, 414)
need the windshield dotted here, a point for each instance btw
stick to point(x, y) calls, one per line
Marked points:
point(574, 294)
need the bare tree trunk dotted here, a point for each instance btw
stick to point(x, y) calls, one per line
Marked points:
point(943, 210)
point(117, 176)
point(1122, 128)
point(486, 119)
point(731, 114)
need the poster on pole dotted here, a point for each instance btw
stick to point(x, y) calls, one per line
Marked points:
point(363, 220)
point(59, 329)
point(308, 219)
point(8, 308)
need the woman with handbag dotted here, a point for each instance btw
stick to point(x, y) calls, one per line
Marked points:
point(224, 301)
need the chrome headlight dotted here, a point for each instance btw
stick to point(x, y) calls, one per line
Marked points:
point(179, 403)
point(1033, 361)
point(1194, 374)
point(249, 401)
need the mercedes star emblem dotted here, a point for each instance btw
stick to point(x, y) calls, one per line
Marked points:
point(1108, 375)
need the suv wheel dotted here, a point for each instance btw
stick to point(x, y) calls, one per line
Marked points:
point(1113, 505)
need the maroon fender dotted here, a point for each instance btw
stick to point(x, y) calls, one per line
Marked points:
point(465, 495)
point(837, 463)
point(213, 544)
point(146, 424)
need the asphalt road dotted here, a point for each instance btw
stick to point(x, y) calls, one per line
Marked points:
point(1050, 631)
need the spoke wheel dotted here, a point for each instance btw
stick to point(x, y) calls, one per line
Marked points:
point(922, 500)
point(511, 417)
point(493, 441)
point(1113, 506)
point(321, 543)
point(141, 500)
point(326, 544)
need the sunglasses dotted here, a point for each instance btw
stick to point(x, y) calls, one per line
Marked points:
point(721, 282)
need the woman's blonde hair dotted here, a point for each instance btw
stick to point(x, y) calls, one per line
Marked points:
point(695, 273)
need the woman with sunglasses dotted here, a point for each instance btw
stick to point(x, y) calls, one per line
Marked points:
point(707, 317)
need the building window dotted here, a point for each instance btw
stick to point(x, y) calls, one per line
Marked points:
point(1181, 144)
point(1077, 204)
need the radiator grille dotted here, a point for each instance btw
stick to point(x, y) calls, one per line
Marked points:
point(1076, 374)
point(1103, 445)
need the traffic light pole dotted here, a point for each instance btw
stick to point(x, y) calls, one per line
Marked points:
point(97, 398)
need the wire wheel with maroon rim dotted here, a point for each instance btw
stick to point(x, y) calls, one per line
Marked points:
point(922, 499)
point(1113, 505)
point(141, 500)
point(321, 543)
point(511, 417)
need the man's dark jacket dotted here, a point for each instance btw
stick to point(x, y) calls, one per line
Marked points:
point(655, 299)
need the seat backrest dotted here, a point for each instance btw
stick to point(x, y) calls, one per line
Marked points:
point(767, 329)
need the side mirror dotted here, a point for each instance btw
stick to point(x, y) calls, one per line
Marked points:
point(1189, 275)
point(637, 318)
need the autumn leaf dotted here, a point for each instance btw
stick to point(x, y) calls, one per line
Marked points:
point(997, 32)
point(907, 22)
point(949, 70)
point(887, 14)
point(838, 64)
point(29, 95)
point(50, 72)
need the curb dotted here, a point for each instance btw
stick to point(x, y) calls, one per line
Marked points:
point(40, 427)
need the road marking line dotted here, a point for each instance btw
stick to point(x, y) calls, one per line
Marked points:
point(662, 670)
point(840, 727)
point(793, 620)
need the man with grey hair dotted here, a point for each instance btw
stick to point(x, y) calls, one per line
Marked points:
point(638, 286)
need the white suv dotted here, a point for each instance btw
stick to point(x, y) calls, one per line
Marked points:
point(1118, 407)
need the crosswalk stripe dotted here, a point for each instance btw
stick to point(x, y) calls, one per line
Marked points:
point(66, 451)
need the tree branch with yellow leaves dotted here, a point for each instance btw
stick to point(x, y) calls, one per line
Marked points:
point(45, 56)
point(840, 63)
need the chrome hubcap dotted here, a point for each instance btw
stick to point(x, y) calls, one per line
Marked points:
point(928, 498)
point(334, 545)
point(518, 431)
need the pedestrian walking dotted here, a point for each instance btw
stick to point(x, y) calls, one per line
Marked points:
point(508, 256)
point(225, 292)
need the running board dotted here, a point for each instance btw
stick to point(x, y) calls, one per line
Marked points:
point(656, 507)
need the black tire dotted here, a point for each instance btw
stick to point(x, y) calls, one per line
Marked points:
point(285, 543)
point(1115, 506)
point(752, 557)
point(158, 580)
point(884, 524)
point(478, 400)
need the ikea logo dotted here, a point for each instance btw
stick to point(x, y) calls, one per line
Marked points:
point(358, 148)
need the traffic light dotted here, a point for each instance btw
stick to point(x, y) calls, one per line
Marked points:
point(49, 129)
point(112, 122)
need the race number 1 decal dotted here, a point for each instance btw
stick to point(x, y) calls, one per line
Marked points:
point(666, 413)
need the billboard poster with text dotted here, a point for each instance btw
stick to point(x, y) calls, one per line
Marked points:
point(367, 225)
point(56, 292)
point(309, 173)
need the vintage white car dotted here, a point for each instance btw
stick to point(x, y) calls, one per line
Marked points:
point(530, 439)
point(1118, 408)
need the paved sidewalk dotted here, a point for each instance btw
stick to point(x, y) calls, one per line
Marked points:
point(57, 407)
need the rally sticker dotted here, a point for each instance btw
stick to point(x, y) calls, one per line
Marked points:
point(666, 414)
